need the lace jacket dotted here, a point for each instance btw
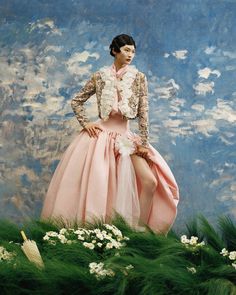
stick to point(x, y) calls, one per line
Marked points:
point(133, 90)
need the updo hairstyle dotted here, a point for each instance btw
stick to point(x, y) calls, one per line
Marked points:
point(119, 41)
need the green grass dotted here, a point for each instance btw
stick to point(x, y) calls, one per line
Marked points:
point(159, 262)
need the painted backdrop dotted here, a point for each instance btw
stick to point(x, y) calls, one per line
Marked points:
point(187, 50)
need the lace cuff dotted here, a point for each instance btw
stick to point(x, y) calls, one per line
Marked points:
point(143, 111)
point(77, 102)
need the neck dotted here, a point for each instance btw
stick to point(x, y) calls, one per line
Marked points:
point(118, 65)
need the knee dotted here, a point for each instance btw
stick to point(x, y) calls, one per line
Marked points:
point(150, 184)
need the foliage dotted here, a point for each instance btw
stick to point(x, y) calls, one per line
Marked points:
point(98, 258)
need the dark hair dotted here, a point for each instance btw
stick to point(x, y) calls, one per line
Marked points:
point(119, 41)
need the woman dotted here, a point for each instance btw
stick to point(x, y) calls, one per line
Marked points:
point(107, 168)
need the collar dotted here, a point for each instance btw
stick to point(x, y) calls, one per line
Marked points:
point(118, 74)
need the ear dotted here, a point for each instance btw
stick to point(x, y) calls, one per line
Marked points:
point(113, 51)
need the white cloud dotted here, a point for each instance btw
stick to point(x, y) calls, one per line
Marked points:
point(205, 73)
point(83, 56)
point(169, 89)
point(74, 63)
point(166, 55)
point(230, 68)
point(198, 107)
point(204, 88)
point(205, 126)
point(224, 178)
point(198, 161)
point(230, 165)
point(223, 111)
point(172, 123)
point(90, 45)
point(233, 187)
point(45, 24)
point(9, 75)
point(225, 141)
point(28, 52)
point(180, 54)
point(209, 50)
point(229, 54)
point(53, 48)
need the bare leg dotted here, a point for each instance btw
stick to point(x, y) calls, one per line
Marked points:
point(148, 184)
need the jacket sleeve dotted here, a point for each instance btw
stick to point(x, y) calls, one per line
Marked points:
point(77, 102)
point(143, 121)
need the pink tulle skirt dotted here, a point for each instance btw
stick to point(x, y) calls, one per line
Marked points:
point(93, 179)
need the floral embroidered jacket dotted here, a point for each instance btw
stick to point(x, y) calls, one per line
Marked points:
point(134, 97)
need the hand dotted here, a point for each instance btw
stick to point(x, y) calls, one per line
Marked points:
point(142, 151)
point(93, 129)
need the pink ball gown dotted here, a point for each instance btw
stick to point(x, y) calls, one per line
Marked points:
point(93, 179)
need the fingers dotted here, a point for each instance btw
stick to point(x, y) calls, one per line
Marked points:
point(143, 154)
point(93, 130)
point(99, 128)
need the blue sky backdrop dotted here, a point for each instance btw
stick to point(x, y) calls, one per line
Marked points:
point(187, 49)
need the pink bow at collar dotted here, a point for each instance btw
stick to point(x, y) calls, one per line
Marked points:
point(118, 74)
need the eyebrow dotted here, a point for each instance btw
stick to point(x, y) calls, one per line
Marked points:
point(130, 49)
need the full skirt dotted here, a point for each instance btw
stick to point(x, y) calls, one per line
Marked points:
point(95, 180)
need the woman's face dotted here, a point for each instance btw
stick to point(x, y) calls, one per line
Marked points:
point(126, 54)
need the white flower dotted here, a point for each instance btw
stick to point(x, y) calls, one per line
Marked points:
point(192, 269)
point(79, 232)
point(63, 231)
point(52, 234)
point(234, 265)
point(100, 236)
point(88, 245)
point(124, 145)
point(201, 244)
point(5, 255)
point(109, 246)
point(92, 265)
point(96, 267)
point(117, 232)
point(224, 252)
point(92, 238)
point(108, 237)
point(232, 255)
point(184, 239)
point(110, 273)
point(62, 239)
point(130, 266)
point(80, 238)
point(97, 231)
point(99, 270)
point(108, 226)
point(193, 240)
